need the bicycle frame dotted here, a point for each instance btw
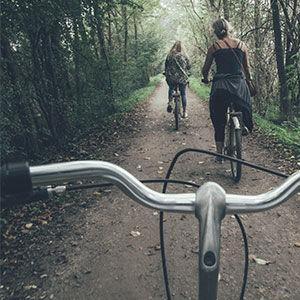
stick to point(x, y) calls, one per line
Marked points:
point(210, 204)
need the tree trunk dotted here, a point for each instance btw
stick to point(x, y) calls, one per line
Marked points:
point(135, 35)
point(125, 27)
point(257, 54)
point(22, 106)
point(226, 10)
point(104, 54)
point(284, 93)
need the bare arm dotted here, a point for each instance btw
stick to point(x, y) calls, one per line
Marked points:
point(246, 62)
point(207, 64)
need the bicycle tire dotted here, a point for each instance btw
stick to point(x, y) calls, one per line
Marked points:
point(236, 152)
point(176, 114)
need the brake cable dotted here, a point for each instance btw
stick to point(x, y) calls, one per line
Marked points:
point(166, 181)
point(161, 219)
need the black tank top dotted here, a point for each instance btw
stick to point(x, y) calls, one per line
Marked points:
point(226, 61)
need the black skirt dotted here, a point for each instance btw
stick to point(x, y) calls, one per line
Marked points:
point(235, 85)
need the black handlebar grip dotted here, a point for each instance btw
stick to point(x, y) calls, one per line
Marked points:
point(15, 182)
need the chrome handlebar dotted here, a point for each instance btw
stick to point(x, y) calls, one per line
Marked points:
point(181, 203)
point(210, 203)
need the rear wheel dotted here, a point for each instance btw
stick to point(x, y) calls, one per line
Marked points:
point(176, 113)
point(233, 148)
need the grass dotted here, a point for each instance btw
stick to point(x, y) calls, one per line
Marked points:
point(139, 95)
point(285, 137)
point(199, 88)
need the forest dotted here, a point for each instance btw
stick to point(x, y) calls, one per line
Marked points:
point(67, 66)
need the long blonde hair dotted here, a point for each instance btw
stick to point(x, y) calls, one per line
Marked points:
point(176, 48)
point(222, 28)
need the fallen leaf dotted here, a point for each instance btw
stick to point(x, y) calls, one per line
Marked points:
point(259, 261)
point(45, 216)
point(135, 233)
point(29, 225)
point(30, 287)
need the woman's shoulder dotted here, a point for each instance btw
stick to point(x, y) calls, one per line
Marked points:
point(181, 56)
point(239, 44)
point(217, 45)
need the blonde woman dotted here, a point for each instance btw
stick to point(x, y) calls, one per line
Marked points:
point(177, 65)
point(229, 84)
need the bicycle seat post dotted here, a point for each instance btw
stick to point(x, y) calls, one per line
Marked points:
point(210, 208)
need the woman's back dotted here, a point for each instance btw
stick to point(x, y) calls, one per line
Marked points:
point(226, 61)
point(176, 68)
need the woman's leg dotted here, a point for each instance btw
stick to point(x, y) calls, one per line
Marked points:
point(171, 91)
point(182, 88)
point(218, 108)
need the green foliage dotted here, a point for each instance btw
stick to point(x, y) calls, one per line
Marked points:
point(68, 66)
point(293, 74)
point(202, 90)
point(139, 95)
point(286, 136)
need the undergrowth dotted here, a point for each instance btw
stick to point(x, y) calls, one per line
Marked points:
point(285, 136)
point(199, 88)
point(107, 127)
point(138, 95)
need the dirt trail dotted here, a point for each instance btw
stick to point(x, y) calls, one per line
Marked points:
point(102, 260)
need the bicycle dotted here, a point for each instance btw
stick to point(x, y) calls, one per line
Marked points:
point(175, 105)
point(177, 110)
point(210, 203)
point(233, 140)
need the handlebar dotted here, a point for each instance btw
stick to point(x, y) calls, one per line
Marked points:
point(132, 187)
point(209, 204)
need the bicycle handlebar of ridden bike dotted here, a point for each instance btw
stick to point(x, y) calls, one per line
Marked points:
point(210, 203)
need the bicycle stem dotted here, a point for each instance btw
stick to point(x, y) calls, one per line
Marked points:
point(210, 207)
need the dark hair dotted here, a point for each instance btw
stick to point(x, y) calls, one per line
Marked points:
point(221, 28)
